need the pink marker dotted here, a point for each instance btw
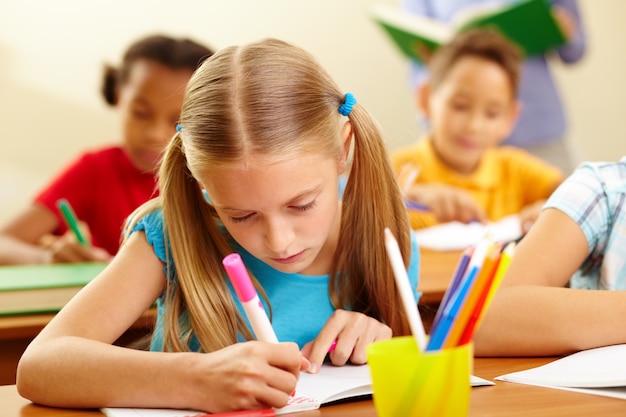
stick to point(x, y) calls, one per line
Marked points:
point(249, 298)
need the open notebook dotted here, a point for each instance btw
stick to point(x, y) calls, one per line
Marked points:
point(599, 371)
point(332, 383)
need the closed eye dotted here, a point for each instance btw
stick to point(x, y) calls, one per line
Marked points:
point(242, 218)
point(305, 207)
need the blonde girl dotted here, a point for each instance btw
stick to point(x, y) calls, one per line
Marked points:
point(264, 139)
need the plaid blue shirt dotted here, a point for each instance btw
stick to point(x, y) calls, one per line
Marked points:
point(594, 197)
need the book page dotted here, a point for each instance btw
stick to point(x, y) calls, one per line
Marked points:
point(149, 412)
point(416, 24)
point(600, 371)
point(599, 367)
point(474, 11)
point(332, 383)
point(458, 236)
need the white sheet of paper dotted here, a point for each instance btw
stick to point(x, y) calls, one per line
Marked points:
point(458, 236)
point(599, 371)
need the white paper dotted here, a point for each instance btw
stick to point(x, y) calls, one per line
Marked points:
point(599, 371)
point(458, 236)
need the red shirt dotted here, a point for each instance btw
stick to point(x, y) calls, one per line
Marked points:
point(103, 187)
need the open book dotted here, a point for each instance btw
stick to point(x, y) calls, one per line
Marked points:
point(332, 383)
point(599, 371)
point(527, 23)
point(458, 236)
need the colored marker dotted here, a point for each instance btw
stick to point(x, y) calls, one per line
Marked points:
point(332, 346)
point(451, 310)
point(479, 289)
point(415, 206)
point(71, 221)
point(459, 273)
point(404, 287)
point(249, 298)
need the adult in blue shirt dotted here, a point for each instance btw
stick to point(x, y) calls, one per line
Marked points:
point(542, 125)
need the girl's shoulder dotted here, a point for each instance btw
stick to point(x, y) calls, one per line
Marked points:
point(152, 226)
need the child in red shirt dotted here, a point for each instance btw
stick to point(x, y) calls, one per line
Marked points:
point(104, 186)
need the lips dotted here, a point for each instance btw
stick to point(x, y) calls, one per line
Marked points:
point(289, 260)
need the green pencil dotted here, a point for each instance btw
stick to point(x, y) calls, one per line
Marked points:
point(71, 221)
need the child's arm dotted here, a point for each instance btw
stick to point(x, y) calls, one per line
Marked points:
point(20, 241)
point(533, 314)
point(352, 332)
point(72, 362)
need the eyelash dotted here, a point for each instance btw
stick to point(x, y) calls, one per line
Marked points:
point(306, 207)
point(245, 218)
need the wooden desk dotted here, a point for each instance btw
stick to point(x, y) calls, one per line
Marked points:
point(436, 270)
point(16, 332)
point(503, 399)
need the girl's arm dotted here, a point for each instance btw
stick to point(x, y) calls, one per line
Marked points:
point(72, 362)
point(533, 314)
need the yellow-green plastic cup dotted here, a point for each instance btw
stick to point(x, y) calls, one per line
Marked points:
point(410, 383)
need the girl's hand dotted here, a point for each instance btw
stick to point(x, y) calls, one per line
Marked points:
point(250, 375)
point(352, 331)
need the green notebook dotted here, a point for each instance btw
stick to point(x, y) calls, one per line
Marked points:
point(42, 288)
point(527, 23)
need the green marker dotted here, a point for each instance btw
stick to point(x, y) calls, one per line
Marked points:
point(71, 221)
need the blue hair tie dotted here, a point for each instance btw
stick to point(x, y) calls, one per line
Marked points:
point(347, 105)
point(179, 127)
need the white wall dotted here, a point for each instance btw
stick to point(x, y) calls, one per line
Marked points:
point(52, 51)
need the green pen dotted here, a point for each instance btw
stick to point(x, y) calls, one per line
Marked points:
point(71, 221)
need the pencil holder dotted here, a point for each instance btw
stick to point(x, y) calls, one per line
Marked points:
point(408, 383)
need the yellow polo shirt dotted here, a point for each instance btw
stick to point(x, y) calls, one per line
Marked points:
point(506, 180)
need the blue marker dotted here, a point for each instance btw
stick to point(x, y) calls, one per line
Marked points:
point(415, 206)
point(458, 295)
point(440, 333)
point(454, 284)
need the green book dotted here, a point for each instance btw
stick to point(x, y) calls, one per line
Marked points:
point(42, 288)
point(527, 23)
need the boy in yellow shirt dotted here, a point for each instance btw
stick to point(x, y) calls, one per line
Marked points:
point(458, 171)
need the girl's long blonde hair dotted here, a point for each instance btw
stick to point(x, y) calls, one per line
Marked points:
point(270, 97)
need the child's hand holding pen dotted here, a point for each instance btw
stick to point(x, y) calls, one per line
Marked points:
point(446, 203)
point(75, 244)
point(66, 249)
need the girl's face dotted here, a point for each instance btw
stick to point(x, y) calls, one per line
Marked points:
point(471, 110)
point(150, 103)
point(284, 211)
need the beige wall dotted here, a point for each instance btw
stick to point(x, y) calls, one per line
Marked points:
point(51, 54)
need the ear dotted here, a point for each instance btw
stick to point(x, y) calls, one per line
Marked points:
point(346, 139)
point(513, 117)
point(422, 98)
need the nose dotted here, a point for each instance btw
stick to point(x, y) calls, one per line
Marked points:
point(278, 236)
point(475, 121)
